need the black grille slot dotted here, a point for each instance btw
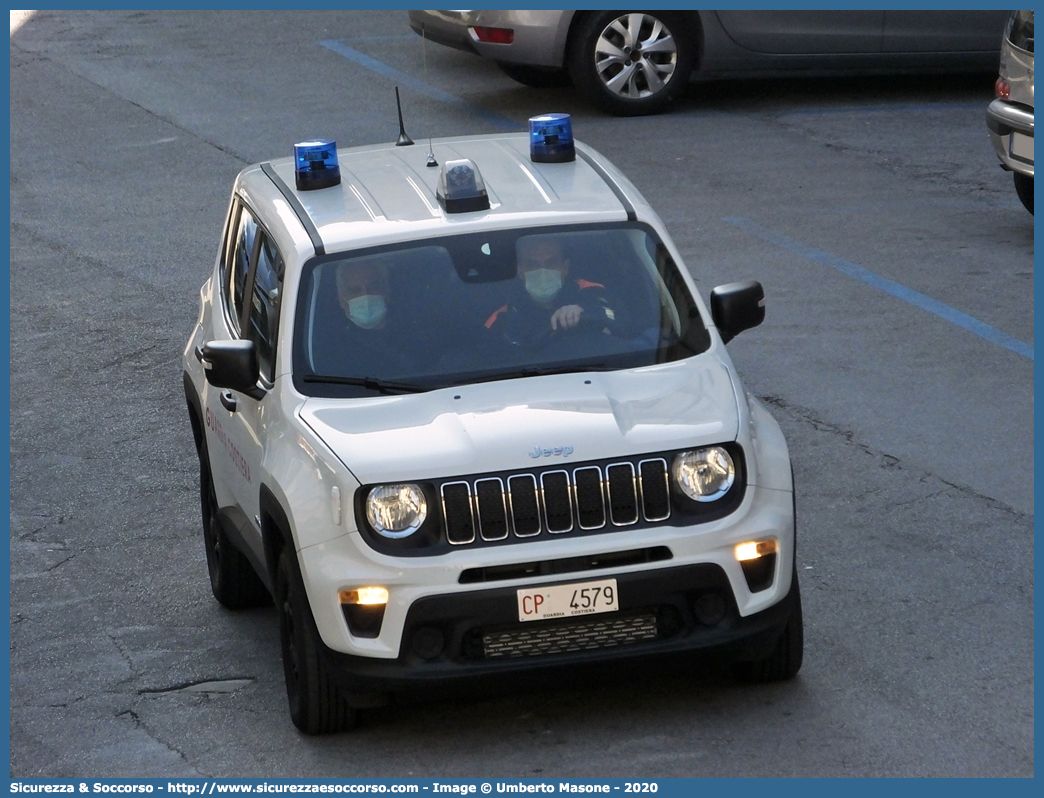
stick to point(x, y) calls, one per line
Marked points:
point(491, 510)
point(656, 497)
point(623, 496)
point(583, 635)
point(568, 565)
point(456, 507)
point(525, 512)
point(558, 509)
point(590, 506)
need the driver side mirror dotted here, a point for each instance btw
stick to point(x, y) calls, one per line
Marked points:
point(736, 307)
point(231, 364)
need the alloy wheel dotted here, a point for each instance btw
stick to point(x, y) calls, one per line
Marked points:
point(635, 56)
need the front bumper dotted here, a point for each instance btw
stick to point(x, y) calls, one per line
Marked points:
point(676, 599)
point(1010, 124)
point(348, 563)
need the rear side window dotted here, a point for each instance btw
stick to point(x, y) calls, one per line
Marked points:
point(237, 265)
point(263, 321)
point(251, 284)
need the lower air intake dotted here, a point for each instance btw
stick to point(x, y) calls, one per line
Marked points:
point(575, 636)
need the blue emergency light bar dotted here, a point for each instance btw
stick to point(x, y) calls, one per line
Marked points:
point(315, 164)
point(551, 138)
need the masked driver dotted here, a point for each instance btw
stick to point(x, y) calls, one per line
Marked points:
point(551, 301)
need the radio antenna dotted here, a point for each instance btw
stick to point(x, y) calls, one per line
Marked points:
point(427, 105)
point(403, 140)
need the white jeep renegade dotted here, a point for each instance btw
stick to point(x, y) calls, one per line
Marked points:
point(460, 410)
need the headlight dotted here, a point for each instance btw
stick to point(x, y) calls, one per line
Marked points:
point(704, 474)
point(396, 511)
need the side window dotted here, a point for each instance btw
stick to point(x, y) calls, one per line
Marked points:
point(237, 265)
point(263, 322)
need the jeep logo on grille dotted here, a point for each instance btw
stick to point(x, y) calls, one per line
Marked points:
point(556, 451)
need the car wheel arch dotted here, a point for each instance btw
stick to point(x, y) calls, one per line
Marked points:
point(276, 532)
point(195, 411)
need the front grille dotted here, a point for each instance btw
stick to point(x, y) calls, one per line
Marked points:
point(583, 635)
point(556, 501)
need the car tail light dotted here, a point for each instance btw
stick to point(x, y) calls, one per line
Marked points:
point(494, 35)
point(1002, 89)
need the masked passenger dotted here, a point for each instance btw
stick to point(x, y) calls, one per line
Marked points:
point(366, 341)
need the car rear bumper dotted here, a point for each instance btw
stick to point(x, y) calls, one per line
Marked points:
point(539, 35)
point(447, 28)
point(1007, 122)
point(474, 635)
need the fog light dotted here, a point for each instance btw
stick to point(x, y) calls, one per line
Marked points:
point(755, 549)
point(758, 561)
point(364, 595)
point(363, 609)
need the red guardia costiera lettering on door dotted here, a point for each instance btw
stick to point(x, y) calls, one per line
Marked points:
point(237, 459)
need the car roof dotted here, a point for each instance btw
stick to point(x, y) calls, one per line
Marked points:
point(388, 193)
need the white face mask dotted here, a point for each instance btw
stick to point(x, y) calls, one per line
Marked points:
point(542, 284)
point(367, 311)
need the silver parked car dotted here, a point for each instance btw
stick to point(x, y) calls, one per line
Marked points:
point(1010, 116)
point(636, 62)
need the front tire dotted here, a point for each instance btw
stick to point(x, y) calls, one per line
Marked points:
point(1024, 188)
point(632, 63)
point(317, 705)
point(232, 579)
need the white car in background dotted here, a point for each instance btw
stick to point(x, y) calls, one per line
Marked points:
point(1010, 116)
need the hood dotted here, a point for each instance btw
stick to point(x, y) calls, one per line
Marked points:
point(524, 423)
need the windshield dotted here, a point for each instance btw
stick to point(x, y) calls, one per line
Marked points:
point(493, 305)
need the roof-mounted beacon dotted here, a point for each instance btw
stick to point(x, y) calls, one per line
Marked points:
point(461, 188)
point(551, 139)
point(315, 164)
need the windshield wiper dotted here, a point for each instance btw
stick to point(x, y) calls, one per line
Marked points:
point(543, 371)
point(540, 371)
point(374, 384)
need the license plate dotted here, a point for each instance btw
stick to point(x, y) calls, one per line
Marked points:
point(1021, 147)
point(567, 601)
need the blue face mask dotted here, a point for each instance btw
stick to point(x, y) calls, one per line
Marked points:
point(542, 284)
point(367, 311)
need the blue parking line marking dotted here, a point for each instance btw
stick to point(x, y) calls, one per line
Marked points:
point(402, 79)
point(891, 287)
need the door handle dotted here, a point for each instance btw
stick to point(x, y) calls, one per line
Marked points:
point(228, 401)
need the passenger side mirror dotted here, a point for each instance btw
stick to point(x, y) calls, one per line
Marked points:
point(232, 364)
point(736, 307)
